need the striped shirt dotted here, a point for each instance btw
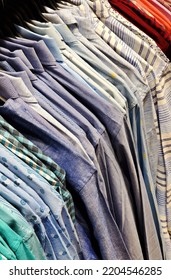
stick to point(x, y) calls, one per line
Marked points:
point(112, 18)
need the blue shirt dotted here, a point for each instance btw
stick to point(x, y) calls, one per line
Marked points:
point(59, 244)
point(80, 181)
point(42, 212)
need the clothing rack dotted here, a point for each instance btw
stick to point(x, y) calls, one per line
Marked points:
point(85, 127)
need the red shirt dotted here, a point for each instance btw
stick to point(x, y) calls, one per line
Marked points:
point(143, 21)
point(155, 13)
point(166, 4)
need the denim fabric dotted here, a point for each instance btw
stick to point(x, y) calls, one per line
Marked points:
point(80, 181)
point(19, 225)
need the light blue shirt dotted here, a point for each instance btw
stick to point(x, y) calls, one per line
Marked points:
point(50, 196)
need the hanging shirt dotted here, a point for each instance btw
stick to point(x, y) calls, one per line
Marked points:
point(21, 142)
point(31, 212)
point(19, 225)
point(42, 228)
point(165, 3)
point(108, 223)
point(135, 30)
point(110, 90)
point(157, 31)
point(161, 8)
point(61, 230)
point(15, 242)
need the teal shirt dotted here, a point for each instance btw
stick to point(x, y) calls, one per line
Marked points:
point(15, 242)
point(15, 221)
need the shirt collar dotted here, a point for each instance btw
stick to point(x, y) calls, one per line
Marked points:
point(18, 65)
point(43, 51)
point(16, 53)
point(6, 66)
point(99, 8)
point(66, 16)
point(77, 24)
point(66, 33)
point(53, 51)
point(21, 88)
point(48, 29)
point(85, 27)
point(30, 53)
point(7, 89)
point(23, 75)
